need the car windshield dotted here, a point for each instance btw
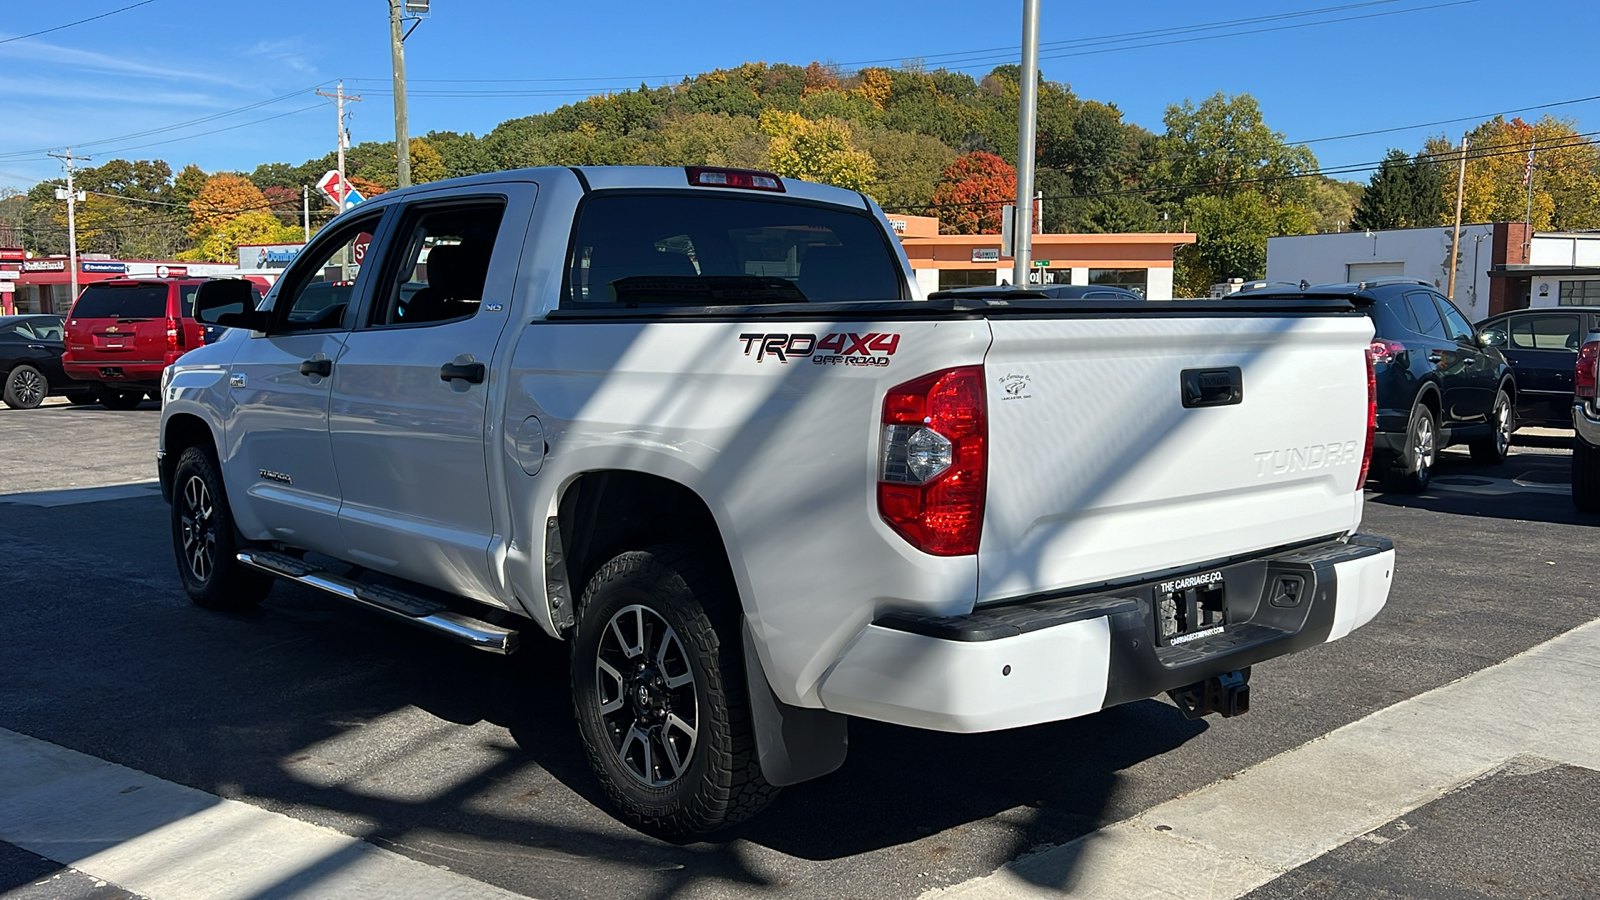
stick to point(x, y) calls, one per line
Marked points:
point(690, 249)
point(121, 301)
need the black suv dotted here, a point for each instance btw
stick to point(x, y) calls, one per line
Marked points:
point(1438, 382)
point(1541, 345)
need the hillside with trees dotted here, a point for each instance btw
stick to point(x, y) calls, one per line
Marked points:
point(918, 141)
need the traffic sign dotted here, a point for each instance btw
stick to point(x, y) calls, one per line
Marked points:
point(335, 188)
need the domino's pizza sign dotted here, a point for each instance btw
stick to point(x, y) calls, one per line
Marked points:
point(335, 188)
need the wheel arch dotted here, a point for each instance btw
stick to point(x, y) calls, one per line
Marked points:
point(178, 433)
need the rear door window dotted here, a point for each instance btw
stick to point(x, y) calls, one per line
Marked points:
point(122, 301)
point(1455, 324)
point(1427, 315)
point(710, 250)
point(1394, 318)
point(1546, 333)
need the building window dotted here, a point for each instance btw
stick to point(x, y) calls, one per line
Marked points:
point(1050, 276)
point(954, 278)
point(1136, 280)
point(1580, 293)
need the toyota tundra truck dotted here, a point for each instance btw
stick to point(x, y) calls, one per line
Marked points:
point(701, 425)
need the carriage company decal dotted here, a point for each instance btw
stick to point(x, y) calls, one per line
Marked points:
point(836, 349)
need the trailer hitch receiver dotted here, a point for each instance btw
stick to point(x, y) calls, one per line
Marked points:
point(1227, 694)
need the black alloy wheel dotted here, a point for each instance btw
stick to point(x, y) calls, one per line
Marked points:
point(25, 388)
point(203, 538)
point(1414, 469)
point(1493, 449)
point(658, 687)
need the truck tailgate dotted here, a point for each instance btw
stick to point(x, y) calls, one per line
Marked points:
point(1098, 471)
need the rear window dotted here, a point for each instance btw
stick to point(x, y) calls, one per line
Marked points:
point(114, 301)
point(700, 250)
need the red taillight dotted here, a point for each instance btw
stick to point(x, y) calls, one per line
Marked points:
point(749, 179)
point(1383, 351)
point(1585, 377)
point(175, 339)
point(1372, 413)
point(935, 459)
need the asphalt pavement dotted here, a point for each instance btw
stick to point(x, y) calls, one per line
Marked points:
point(319, 715)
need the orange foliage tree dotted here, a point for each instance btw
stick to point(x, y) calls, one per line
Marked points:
point(972, 191)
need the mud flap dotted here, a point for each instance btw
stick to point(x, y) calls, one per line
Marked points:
point(793, 743)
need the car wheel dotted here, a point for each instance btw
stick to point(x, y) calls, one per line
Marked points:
point(1414, 469)
point(112, 398)
point(1492, 450)
point(204, 541)
point(25, 388)
point(1586, 477)
point(658, 686)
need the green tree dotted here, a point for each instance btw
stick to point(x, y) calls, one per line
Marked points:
point(1405, 192)
point(909, 167)
point(1231, 237)
point(710, 139)
point(1223, 147)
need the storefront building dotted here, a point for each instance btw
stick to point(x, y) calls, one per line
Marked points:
point(1139, 262)
point(44, 284)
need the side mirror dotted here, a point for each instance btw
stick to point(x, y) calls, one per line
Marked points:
point(1492, 337)
point(229, 302)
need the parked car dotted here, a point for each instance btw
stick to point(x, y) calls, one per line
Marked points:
point(1438, 381)
point(1541, 346)
point(698, 424)
point(123, 332)
point(30, 362)
point(1586, 422)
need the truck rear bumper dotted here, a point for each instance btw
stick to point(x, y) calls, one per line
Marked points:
point(1050, 658)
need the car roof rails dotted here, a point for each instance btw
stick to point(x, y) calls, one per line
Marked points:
point(1392, 279)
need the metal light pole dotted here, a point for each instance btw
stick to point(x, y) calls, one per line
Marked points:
point(397, 50)
point(1027, 115)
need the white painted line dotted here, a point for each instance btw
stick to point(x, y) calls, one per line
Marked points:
point(74, 496)
point(1234, 835)
point(166, 841)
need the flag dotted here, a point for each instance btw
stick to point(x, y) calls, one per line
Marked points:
point(1527, 170)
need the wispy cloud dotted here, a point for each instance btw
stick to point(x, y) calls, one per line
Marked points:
point(133, 63)
point(293, 54)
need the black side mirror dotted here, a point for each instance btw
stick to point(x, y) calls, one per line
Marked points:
point(229, 302)
point(1492, 337)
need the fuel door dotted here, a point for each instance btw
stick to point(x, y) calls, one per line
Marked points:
point(530, 445)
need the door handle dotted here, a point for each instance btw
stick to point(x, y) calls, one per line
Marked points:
point(323, 367)
point(1435, 357)
point(37, 347)
point(471, 373)
point(1468, 360)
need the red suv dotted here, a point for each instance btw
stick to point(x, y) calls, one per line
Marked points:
point(121, 333)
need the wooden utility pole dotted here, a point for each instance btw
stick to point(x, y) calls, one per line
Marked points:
point(71, 196)
point(397, 51)
point(344, 136)
point(1455, 242)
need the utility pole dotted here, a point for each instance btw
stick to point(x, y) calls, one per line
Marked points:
point(1527, 226)
point(71, 196)
point(305, 210)
point(397, 50)
point(1455, 242)
point(344, 136)
point(1027, 113)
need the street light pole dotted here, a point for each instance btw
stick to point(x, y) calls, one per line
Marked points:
point(1027, 114)
point(72, 218)
point(402, 141)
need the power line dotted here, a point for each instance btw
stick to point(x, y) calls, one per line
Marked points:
point(23, 37)
point(292, 112)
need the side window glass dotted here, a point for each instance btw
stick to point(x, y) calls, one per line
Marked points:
point(1546, 333)
point(1455, 324)
point(442, 261)
point(48, 330)
point(23, 330)
point(325, 279)
point(1426, 314)
point(1395, 318)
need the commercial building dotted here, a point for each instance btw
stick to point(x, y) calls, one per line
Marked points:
point(1500, 265)
point(44, 284)
point(1139, 262)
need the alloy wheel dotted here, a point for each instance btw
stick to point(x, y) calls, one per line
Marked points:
point(1502, 425)
point(199, 529)
point(646, 690)
point(1422, 448)
point(29, 387)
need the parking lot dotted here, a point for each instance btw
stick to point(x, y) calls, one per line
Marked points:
point(1427, 755)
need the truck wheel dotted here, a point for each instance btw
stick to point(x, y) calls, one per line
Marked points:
point(658, 686)
point(1492, 450)
point(1412, 471)
point(1586, 477)
point(111, 398)
point(25, 388)
point(203, 538)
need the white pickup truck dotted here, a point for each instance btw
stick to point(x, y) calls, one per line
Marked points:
point(701, 425)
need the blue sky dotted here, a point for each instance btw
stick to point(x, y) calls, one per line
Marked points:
point(1389, 63)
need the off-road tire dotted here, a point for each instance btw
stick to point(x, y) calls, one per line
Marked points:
point(26, 388)
point(1411, 472)
point(204, 541)
point(1493, 449)
point(1585, 477)
point(721, 782)
point(112, 398)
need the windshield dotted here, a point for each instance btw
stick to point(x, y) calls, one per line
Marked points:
point(121, 301)
point(702, 250)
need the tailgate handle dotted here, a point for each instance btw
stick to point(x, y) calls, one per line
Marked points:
point(1212, 387)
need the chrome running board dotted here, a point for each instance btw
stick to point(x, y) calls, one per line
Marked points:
point(434, 616)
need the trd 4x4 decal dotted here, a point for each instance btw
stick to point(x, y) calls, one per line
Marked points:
point(839, 348)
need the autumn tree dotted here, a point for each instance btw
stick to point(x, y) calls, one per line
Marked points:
point(427, 164)
point(816, 150)
point(225, 196)
point(221, 243)
point(1566, 173)
point(972, 191)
